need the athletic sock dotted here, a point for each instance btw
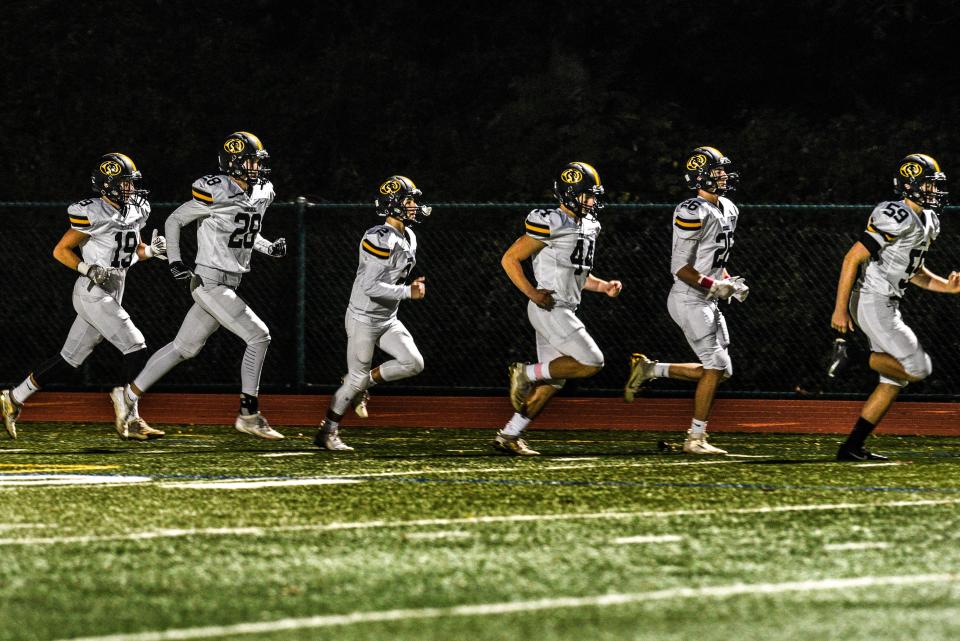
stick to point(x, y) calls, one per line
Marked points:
point(249, 405)
point(661, 370)
point(697, 428)
point(537, 371)
point(24, 390)
point(130, 396)
point(858, 436)
point(371, 381)
point(516, 425)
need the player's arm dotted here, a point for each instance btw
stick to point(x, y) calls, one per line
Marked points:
point(926, 279)
point(857, 255)
point(276, 249)
point(611, 288)
point(375, 278)
point(64, 250)
point(522, 249)
point(188, 212)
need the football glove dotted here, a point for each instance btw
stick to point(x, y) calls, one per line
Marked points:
point(157, 247)
point(740, 289)
point(180, 271)
point(278, 248)
point(106, 278)
point(721, 289)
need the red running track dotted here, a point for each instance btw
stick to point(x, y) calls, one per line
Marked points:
point(650, 414)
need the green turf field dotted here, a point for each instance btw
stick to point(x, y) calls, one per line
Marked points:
point(211, 534)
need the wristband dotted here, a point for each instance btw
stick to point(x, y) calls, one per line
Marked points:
point(705, 281)
point(83, 268)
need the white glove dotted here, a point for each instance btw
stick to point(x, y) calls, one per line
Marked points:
point(740, 289)
point(721, 289)
point(157, 247)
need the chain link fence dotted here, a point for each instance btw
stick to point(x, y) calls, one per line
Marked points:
point(473, 321)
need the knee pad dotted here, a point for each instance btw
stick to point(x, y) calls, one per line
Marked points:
point(260, 338)
point(918, 365)
point(414, 365)
point(188, 352)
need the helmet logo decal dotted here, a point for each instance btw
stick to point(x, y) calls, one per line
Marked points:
point(234, 145)
point(910, 169)
point(391, 186)
point(698, 161)
point(110, 168)
point(571, 176)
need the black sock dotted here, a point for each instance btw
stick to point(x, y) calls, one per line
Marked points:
point(53, 369)
point(133, 364)
point(249, 404)
point(859, 434)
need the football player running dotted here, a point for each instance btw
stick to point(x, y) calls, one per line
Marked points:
point(561, 243)
point(703, 229)
point(874, 276)
point(106, 229)
point(229, 210)
point(388, 253)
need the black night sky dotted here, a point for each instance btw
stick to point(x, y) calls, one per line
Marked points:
point(815, 101)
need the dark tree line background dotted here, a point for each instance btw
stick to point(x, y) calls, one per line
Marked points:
point(815, 100)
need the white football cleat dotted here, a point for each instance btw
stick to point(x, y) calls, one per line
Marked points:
point(329, 439)
point(11, 411)
point(360, 404)
point(139, 430)
point(519, 385)
point(641, 371)
point(121, 411)
point(257, 425)
point(513, 445)
point(698, 445)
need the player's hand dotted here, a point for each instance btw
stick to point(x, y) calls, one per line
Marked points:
point(104, 277)
point(953, 283)
point(613, 288)
point(278, 248)
point(740, 289)
point(543, 298)
point(157, 247)
point(721, 289)
point(418, 289)
point(841, 321)
point(180, 271)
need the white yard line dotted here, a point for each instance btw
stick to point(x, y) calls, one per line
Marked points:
point(856, 545)
point(46, 480)
point(282, 454)
point(475, 520)
point(510, 607)
point(255, 483)
point(432, 536)
point(655, 538)
point(6, 527)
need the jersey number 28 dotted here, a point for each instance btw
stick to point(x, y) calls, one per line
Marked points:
point(246, 233)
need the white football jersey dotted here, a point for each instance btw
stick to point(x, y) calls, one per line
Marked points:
point(702, 237)
point(230, 220)
point(387, 255)
point(565, 263)
point(113, 237)
point(898, 239)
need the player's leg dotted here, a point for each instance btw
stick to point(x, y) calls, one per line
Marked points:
point(705, 329)
point(897, 357)
point(196, 328)
point(510, 438)
point(81, 339)
point(233, 313)
point(578, 356)
point(105, 313)
point(407, 360)
point(644, 369)
point(361, 341)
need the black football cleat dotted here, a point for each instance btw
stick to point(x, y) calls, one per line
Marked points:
point(858, 454)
